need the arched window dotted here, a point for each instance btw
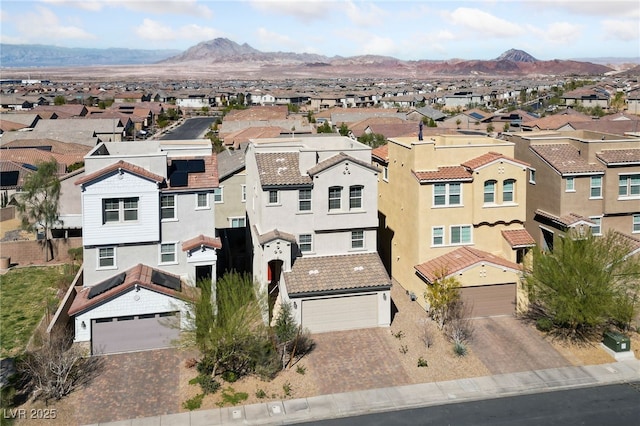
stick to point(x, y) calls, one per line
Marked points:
point(508, 191)
point(490, 191)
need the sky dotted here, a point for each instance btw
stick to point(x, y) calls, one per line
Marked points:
point(409, 30)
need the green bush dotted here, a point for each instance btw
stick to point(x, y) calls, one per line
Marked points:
point(208, 384)
point(206, 365)
point(230, 396)
point(301, 369)
point(193, 403)
point(286, 388)
point(544, 324)
point(229, 376)
point(422, 362)
point(459, 349)
point(260, 394)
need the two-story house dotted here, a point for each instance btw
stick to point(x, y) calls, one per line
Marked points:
point(148, 238)
point(580, 179)
point(313, 214)
point(454, 205)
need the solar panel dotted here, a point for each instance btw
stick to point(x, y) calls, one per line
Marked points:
point(180, 165)
point(195, 166)
point(179, 178)
point(106, 285)
point(476, 115)
point(30, 167)
point(165, 280)
point(9, 178)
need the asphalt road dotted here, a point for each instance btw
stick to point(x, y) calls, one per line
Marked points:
point(192, 128)
point(595, 406)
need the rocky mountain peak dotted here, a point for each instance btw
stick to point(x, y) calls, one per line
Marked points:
point(516, 55)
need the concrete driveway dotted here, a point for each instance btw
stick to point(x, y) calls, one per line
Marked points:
point(506, 345)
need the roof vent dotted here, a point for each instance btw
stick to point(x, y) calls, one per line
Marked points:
point(358, 268)
point(314, 272)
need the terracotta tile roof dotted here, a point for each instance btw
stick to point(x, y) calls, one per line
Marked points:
point(139, 274)
point(631, 240)
point(337, 159)
point(245, 135)
point(554, 122)
point(488, 158)
point(359, 127)
point(201, 240)
point(33, 156)
point(518, 238)
point(202, 180)
point(8, 126)
point(280, 169)
point(381, 153)
point(566, 159)
point(460, 259)
point(396, 129)
point(567, 220)
point(11, 166)
point(446, 173)
point(124, 166)
point(326, 274)
point(619, 156)
point(274, 235)
point(50, 145)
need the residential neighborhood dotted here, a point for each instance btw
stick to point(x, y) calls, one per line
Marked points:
point(350, 213)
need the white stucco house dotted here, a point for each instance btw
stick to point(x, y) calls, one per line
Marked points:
point(312, 214)
point(148, 236)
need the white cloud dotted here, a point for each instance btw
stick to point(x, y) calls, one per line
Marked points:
point(174, 7)
point(558, 32)
point(272, 41)
point(43, 24)
point(366, 15)
point(377, 45)
point(483, 23)
point(621, 30)
point(305, 10)
point(155, 31)
point(597, 8)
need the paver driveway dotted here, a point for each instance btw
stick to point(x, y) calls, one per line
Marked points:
point(505, 345)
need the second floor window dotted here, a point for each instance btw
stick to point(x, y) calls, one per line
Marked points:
point(355, 197)
point(119, 210)
point(243, 193)
point(636, 223)
point(569, 185)
point(596, 229)
point(237, 222)
point(461, 234)
point(107, 257)
point(438, 236)
point(202, 201)
point(218, 195)
point(335, 198)
point(305, 242)
point(168, 206)
point(168, 253)
point(508, 188)
point(274, 197)
point(596, 187)
point(304, 200)
point(447, 194)
point(629, 186)
point(490, 192)
point(357, 239)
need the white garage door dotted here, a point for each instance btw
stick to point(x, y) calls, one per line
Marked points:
point(490, 300)
point(340, 313)
point(134, 333)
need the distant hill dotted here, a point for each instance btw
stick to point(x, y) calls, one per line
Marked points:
point(36, 55)
point(228, 57)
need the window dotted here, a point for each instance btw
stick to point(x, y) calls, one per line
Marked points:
point(202, 201)
point(237, 222)
point(120, 210)
point(274, 197)
point(243, 193)
point(596, 229)
point(304, 200)
point(636, 223)
point(168, 207)
point(357, 239)
point(508, 190)
point(461, 234)
point(629, 186)
point(355, 197)
point(532, 176)
point(305, 242)
point(168, 253)
point(335, 198)
point(107, 257)
point(218, 195)
point(385, 173)
point(447, 194)
point(596, 187)
point(437, 233)
point(569, 185)
point(490, 191)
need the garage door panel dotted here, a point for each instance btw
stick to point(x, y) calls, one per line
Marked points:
point(340, 313)
point(126, 334)
point(490, 300)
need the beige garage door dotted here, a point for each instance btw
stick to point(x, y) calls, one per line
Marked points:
point(490, 300)
point(340, 313)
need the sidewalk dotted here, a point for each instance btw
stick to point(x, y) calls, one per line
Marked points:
point(401, 397)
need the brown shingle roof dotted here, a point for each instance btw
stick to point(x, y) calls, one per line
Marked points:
point(567, 220)
point(619, 156)
point(457, 173)
point(201, 240)
point(518, 238)
point(280, 169)
point(488, 158)
point(565, 159)
point(459, 259)
point(337, 159)
point(139, 274)
point(326, 274)
point(124, 166)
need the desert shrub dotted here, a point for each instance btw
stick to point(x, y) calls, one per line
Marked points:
point(422, 362)
point(459, 349)
point(206, 365)
point(261, 394)
point(286, 388)
point(230, 396)
point(229, 376)
point(209, 385)
point(301, 369)
point(544, 324)
point(193, 403)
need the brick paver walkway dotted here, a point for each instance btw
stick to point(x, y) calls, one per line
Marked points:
point(137, 384)
point(356, 360)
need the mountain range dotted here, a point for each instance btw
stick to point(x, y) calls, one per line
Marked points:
point(243, 60)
